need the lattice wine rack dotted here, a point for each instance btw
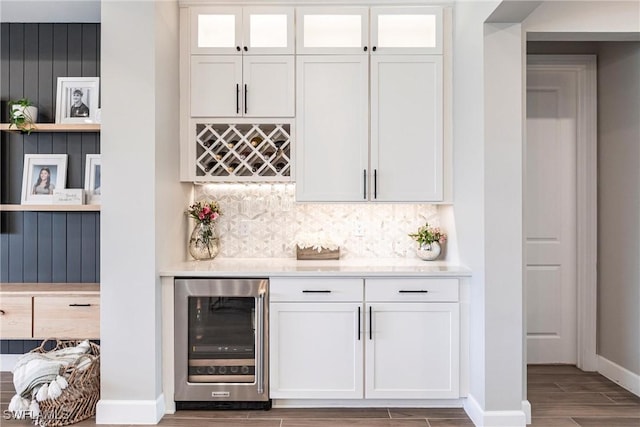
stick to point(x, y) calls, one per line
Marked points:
point(243, 152)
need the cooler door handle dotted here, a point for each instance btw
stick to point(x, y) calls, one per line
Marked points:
point(260, 344)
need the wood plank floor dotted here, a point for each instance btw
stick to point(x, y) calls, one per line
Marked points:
point(560, 396)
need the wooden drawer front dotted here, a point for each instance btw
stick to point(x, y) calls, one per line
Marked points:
point(412, 290)
point(15, 318)
point(315, 289)
point(66, 317)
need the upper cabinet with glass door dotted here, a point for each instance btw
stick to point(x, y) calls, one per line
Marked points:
point(375, 30)
point(219, 30)
point(332, 30)
point(406, 30)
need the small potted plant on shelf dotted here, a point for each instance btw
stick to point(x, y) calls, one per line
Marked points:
point(23, 115)
point(429, 241)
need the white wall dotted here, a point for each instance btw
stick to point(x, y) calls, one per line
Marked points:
point(141, 197)
point(619, 204)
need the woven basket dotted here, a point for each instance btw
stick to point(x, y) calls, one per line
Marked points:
point(78, 401)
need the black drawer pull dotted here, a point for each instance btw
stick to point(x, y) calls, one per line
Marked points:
point(79, 305)
point(403, 291)
point(312, 291)
point(2, 313)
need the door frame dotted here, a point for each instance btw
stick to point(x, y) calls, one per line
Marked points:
point(585, 68)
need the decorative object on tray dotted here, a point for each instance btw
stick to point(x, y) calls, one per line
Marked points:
point(204, 241)
point(23, 115)
point(57, 387)
point(316, 246)
point(430, 241)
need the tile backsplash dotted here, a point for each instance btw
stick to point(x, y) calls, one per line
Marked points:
point(263, 220)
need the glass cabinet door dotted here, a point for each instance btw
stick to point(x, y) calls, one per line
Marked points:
point(406, 30)
point(236, 30)
point(268, 30)
point(216, 30)
point(332, 30)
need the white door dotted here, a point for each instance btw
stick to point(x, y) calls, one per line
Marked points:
point(268, 86)
point(216, 86)
point(332, 128)
point(550, 216)
point(406, 128)
point(412, 350)
point(315, 350)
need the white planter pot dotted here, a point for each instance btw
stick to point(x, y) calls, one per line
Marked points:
point(30, 113)
point(429, 251)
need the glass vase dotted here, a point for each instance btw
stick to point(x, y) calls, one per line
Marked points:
point(204, 242)
point(429, 251)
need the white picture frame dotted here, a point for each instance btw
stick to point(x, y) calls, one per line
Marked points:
point(77, 100)
point(93, 179)
point(36, 190)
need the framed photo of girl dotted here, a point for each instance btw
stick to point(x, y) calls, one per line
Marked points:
point(42, 174)
point(93, 179)
point(77, 99)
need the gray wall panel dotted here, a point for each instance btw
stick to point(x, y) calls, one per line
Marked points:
point(88, 265)
point(30, 247)
point(46, 85)
point(74, 247)
point(45, 247)
point(30, 88)
point(74, 52)
point(59, 254)
point(16, 239)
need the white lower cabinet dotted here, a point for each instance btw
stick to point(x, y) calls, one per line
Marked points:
point(337, 338)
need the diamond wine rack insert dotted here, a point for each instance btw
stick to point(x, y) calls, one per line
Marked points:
point(243, 152)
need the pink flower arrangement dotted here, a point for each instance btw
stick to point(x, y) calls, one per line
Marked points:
point(204, 211)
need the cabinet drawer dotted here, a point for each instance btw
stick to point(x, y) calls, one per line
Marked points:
point(15, 317)
point(315, 289)
point(412, 290)
point(66, 317)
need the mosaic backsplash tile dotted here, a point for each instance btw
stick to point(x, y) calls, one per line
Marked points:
point(263, 220)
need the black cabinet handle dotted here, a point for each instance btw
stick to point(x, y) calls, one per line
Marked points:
point(403, 291)
point(314, 291)
point(374, 48)
point(370, 323)
point(2, 313)
point(358, 323)
point(246, 49)
point(79, 305)
point(238, 48)
point(375, 183)
point(365, 48)
point(364, 180)
point(245, 98)
point(237, 98)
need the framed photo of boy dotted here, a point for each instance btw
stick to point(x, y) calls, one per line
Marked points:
point(77, 99)
point(42, 174)
point(93, 179)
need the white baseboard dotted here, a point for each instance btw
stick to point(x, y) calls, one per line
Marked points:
point(8, 362)
point(482, 418)
point(619, 375)
point(366, 403)
point(526, 408)
point(130, 411)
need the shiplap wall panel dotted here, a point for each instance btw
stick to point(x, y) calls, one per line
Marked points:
point(45, 246)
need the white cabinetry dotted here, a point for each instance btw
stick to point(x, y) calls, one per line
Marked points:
point(315, 338)
point(241, 61)
point(413, 339)
point(242, 86)
point(237, 67)
point(332, 115)
point(396, 152)
point(401, 340)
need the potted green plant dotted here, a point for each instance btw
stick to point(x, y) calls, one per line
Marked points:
point(429, 241)
point(23, 115)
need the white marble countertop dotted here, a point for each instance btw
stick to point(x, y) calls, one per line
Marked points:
point(278, 267)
